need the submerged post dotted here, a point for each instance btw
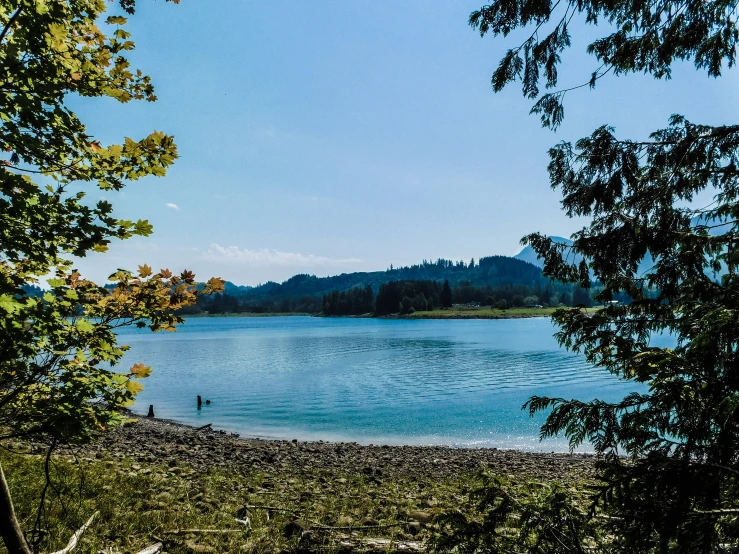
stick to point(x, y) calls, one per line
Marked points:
point(200, 402)
point(151, 411)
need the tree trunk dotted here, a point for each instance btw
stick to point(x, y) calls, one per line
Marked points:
point(10, 530)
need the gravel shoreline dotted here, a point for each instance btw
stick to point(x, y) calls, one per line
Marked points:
point(156, 440)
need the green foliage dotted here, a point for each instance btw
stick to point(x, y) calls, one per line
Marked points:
point(356, 301)
point(445, 298)
point(406, 306)
point(532, 518)
point(684, 431)
point(58, 347)
point(677, 490)
point(494, 271)
point(647, 37)
point(425, 295)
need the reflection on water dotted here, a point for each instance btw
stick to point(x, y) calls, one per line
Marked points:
point(366, 380)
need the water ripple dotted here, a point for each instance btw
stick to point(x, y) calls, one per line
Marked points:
point(452, 382)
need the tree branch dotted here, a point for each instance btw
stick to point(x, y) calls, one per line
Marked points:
point(10, 23)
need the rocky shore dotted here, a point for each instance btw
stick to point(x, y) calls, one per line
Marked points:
point(202, 491)
point(157, 440)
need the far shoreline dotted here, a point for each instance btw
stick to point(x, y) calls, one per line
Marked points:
point(465, 313)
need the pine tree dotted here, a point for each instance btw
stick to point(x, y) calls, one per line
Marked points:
point(446, 295)
point(678, 489)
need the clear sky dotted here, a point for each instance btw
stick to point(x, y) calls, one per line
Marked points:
point(328, 136)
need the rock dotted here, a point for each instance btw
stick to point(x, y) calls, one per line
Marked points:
point(422, 517)
point(413, 527)
point(344, 521)
point(295, 528)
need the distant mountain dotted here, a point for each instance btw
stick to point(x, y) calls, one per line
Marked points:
point(236, 290)
point(528, 255)
point(492, 270)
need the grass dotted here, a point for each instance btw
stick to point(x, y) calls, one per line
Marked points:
point(483, 312)
point(140, 503)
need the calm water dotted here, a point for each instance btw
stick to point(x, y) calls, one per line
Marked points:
point(367, 380)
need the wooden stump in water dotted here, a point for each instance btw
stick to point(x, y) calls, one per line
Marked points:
point(200, 402)
point(151, 411)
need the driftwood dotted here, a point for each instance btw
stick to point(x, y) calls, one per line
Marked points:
point(381, 545)
point(246, 521)
point(76, 537)
point(318, 527)
point(155, 548)
point(206, 426)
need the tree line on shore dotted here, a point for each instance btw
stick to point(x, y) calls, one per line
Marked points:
point(400, 296)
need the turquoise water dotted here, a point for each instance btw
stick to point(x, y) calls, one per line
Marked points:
point(459, 383)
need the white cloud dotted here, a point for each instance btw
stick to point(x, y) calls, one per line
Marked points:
point(266, 257)
point(173, 206)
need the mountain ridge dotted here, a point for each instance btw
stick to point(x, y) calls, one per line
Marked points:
point(490, 270)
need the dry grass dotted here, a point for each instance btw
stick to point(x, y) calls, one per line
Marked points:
point(139, 504)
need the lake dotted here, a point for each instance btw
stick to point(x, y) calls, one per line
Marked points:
point(381, 381)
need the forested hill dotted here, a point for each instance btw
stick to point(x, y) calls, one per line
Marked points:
point(527, 254)
point(493, 270)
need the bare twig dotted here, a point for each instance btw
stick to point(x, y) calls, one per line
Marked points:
point(720, 511)
point(273, 508)
point(201, 531)
point(10, 23)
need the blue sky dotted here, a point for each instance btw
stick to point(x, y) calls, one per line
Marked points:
point(325, 137)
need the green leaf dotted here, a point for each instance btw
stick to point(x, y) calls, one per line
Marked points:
point(84, 326)
point(9, 304)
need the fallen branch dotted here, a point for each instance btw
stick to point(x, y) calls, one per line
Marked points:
point(273, 508)
point(206, 426)
point(76, 537)
point(719, 511)
point(201, 531)
point(318, 527)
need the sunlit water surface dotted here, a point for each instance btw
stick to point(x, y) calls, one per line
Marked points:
point(459, 383)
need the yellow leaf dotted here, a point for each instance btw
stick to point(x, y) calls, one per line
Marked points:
point(144, 270)
point(140, 370)
point(134, 387)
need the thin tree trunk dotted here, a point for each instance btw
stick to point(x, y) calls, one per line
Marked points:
point(10, 530)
